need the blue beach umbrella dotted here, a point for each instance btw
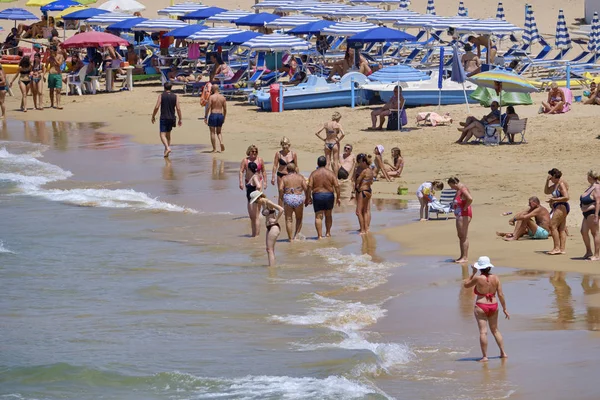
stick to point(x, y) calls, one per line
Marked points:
point(259, 19)
point(500, 12)
point(229, 16)
point(59, 5)
point(311, 28)
point(379, 35)
point(395, 73)
point(404, 5)
point(531, 34)
point(159, 25)
point(126, 25)
point(594, 42)
point(348, 28)
point(563, 40)
point(430, 7)
point(272, 4)
point(237, 38)
point(84, 14)
point(204, 13)
point(325, 9)
point(276, 42)
point(181, 9)
point(185, 31)
point(212, 34)
point(291, 21)
point(391, 16)
point(17, 14)
point(416, 21)
point(458, 73)
point(298, 6)
point(109, 18)
point(490, 26)
point(356, 12)
point(449, 22)
point(462, 11)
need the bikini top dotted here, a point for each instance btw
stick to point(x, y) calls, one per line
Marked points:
point(25, 71)
point(282, 160)
point(296, 190)
point(587, 199)
point(488, 296)
point(266, 212)
point(556, 192)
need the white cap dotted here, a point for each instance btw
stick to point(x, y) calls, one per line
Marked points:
point(255, 195)
point(379, 148)
point(483, 263)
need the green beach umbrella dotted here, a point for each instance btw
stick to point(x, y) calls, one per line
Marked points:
point(485, 97)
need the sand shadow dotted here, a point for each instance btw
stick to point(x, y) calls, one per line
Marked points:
point(478, 358)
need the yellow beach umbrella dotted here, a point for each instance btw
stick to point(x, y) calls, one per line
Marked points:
point(69, 11)
point(38, 3)
point(86, 2)
point(7, 1)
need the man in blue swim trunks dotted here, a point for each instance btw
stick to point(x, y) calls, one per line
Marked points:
point(214, 117)
point(322, 184)
point(168, 104)
point(534, 221)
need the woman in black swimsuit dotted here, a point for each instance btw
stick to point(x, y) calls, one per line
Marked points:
point(558, 188)
point(282, 158)
point(37, 88)
point(245, 184)
point(590, 207)
point(3, 88)
point(24, 76)
point(272, 213)
point(334, 133)
point(364, 193)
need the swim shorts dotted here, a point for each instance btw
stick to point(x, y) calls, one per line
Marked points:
point(54, 81)
point(540, 233)
point(323, 201)
point(216, 120)
point(167, 125)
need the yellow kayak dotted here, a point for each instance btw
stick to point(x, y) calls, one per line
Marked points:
point(588, 78)
point(10, 69)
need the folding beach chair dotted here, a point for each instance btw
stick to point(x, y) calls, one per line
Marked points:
point(445, 205)
point(515, 126)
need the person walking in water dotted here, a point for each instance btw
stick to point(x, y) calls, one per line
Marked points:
point(167, 102)
point(272, 213)
point(463, 214)
point(292, 187)
point(486, 286)
point(321, 186)
point(214, 117)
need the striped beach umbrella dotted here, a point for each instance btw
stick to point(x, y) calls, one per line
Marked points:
point(276, 42)
point(490, 26)
point(159, 25)
point(212, 34)
point(462, 11)
point(594, 42)
point(563, 39)
point(324, 10)
point(272, 4)
point(404, 5)
point(290, 21)
point(418, 21)
point(449, 22)
point(126, 25)
point(430, 7)
point(349, 28)
point(229, 16)
point(391, 16)
point(181, 9)
point(298, 6)
point(531, 34)
point(185, 31)
point(510, 81)
point(356, 12)
point(108, 18)
point(500, 12)
point(259, 19)
point(17, 14)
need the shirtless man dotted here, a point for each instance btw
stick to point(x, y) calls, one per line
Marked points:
point(214, 117)
point(534, 221)
point(320, 193)
point(470, 61)
point(392, 105)
point(167, 103)
point(486, 42)
point(55, 81)
point(347, 163)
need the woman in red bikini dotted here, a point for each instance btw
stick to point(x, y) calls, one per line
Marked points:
point(463, 213)
point(486, 286)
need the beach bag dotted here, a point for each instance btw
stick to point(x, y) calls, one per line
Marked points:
point(204, 96)
point(392, 124)
point(492, 135)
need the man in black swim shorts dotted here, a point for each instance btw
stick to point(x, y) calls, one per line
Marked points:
point(347, 163)
point(214, 117)
point(322, 184)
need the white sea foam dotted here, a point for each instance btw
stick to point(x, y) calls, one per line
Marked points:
point(4, 249)
point(31, 174)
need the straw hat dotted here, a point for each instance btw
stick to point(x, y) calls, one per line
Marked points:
point(255, 195)
point(483, 263)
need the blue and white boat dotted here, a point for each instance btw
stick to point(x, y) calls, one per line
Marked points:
point(316, 92)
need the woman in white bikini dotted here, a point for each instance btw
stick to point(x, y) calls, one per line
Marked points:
point(334, 133)
point(282, 158)
point(272, 213)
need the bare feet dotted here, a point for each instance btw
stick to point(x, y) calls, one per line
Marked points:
point(461, 123)
point(222, 147)
point(362, 232)
point(422, 219)
point(594, 258)
point(328, 235)
point(483, 359)
point(59, 108)
point(461, 260)
point(503, 355)
point(554, 252)
point(509, 238)
point(167, 152)
point(503, 234)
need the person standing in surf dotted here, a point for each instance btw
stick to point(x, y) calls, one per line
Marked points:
point(323, 193)
point(463, 213)
point(167, 102)
point(214, 116)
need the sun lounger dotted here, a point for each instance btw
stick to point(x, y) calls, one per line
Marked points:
point(444, 205)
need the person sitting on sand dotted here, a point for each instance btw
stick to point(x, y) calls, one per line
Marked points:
point(594, 96)
point(474, 127)
point(347, 163)
point(396, 103)
point(379, 164)
point(555, 102)
point(510, 114)
point(470, 61)
point(395, 169)
point(487, 42)
point(534, 221)
point(334, 133)
point(486, 286)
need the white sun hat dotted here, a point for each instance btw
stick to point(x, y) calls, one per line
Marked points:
point(483, 263)
point(255, 195)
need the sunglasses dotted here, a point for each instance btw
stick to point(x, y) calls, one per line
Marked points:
point(254, 152)
point(347, 148)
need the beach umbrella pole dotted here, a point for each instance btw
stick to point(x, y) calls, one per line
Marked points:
point(466, 100)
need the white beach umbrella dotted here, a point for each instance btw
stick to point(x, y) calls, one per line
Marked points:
point(324, 10)
point(594, 42)
point(531, 34)
point(229, 16)
point(272, 4)
point(500, 12)
point(391, 16)
point(159, 25)
point(290, 21)
point(491, 26)
point(212, 34)
point(462, 11)
point(108, 18)
point(563, 39)
point(276, 42)
point(430, 7)
point(349, 28)
point(418, 21)
point(124, 6)
point(181, 9)
point(357, 12)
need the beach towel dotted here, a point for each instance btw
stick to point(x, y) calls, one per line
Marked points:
point(194, 51)
point(433, 118)
point(205, 94)
point(568, 99)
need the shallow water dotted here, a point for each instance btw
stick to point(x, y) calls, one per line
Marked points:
point(127, 276)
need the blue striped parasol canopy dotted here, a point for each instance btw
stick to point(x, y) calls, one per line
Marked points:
point(59, 5)
point(126, 25)
point(185, 31)
point(212, 34)
point(500, 12)
point(490, 26)
point(237, 38)
point(531, 34)
point(391, 16)
point(377, 1)
point(179, 10)
point(298, 6)
point(311, 28)
point(396, 73)
point(356, 12)
point(204, 13)
point(159, 25)
point(430, 7)
point(380, 35)
point(348, 28)
point(259, 19)
point(563, 39)
point(17, 14)
point(291, 21)
point(594, 42)
point(272, 4)
point(325, 9)
point(84, 14)
point(108, 18)
point(276, 42)
point(418, 21)
point(404, 5)
point(229, 16)
point(449, 22)
point(462, 11)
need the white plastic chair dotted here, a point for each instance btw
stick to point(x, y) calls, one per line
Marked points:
point(516, 126)
point(77, 81)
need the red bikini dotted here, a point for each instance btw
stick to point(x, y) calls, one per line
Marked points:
point(488, 308)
